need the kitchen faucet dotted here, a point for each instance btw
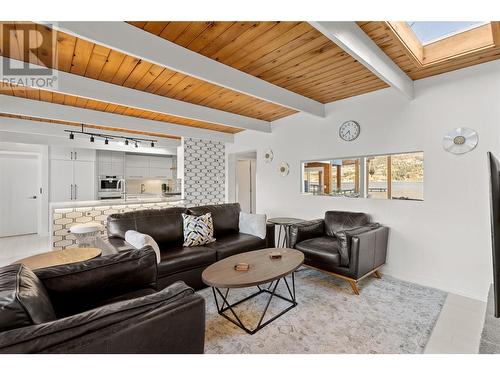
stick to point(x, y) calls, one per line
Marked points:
point(122, 186)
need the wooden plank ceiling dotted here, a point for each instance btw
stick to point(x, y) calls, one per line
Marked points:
point(292, 55)
point(75, 101)
point(386, 39)
point(80, 57)
point(99, 127)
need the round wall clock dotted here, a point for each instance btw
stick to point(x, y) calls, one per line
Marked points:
point(349, 130)
point(460, 140)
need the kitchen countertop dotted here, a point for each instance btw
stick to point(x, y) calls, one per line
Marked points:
point(115, 202)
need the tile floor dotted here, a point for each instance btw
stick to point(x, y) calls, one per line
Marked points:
point(458, 329)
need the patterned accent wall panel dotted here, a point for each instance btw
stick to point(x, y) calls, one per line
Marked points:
point(204, 172)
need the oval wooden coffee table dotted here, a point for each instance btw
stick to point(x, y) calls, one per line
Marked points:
point(60, 257)
point(262, 270)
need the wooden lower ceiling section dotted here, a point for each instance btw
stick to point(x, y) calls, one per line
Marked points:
point(75, 101)
point(91, 126)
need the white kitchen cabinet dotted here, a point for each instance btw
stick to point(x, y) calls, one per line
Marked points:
point(61, 180)
point(84, 182)
point(110, 163)
point(69, 153)
point(84, 154)
point(136, 172)
point(61, 153)
point(159, 173)
point(72, 180)
point(137, 161)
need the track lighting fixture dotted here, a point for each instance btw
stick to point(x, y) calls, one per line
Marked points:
point(107, 137)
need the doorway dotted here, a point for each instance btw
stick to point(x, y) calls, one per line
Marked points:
point(19, 194)
point(245, 177)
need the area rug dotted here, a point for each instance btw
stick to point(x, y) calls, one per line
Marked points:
point(389, 316)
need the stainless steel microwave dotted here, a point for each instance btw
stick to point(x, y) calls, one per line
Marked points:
point(109, 183)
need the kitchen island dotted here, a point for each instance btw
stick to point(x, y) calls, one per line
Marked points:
point(63, 215)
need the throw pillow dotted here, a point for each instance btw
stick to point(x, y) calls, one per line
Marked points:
point(140, 240)
point(198, 230)
point(344, 238)
point(254, 224)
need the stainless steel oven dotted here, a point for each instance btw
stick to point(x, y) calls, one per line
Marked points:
point(109, 183)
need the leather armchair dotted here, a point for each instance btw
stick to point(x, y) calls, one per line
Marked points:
point(107, 305)
point(344, 244)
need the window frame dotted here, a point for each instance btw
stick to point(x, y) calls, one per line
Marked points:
point(363, 178)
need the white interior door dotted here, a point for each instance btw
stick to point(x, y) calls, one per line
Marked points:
point(245, 185)
point(19, 193)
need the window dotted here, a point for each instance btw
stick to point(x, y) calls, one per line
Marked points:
point(431, 31)
point(393, 176)
point(331, 177)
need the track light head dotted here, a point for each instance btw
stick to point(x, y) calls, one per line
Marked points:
point(106, 142)
point(136, 144)
point(71, 136)
point(152, 144)
point(126, 142)
point(92, 138)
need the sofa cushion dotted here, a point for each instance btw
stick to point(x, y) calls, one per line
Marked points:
point(23, 298)
point(235, 244)
point(226, 217)
point(164, 225)
point(320, 252)
point(198, 230)
point(335, 221)
point(185, 258)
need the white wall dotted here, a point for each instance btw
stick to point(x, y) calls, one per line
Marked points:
point(442, 242)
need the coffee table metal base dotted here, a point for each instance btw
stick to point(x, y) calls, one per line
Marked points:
point(271, 290)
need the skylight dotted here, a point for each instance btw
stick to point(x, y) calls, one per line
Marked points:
point(430, 31)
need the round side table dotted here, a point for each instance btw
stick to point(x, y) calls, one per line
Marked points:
point(284, 224)
point(86, 234)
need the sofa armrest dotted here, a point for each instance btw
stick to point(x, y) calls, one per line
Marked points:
point(270, 235)
point(306, 230)
point(368, 251)
point(77, 287)
point(114, 245)
point(169, 321)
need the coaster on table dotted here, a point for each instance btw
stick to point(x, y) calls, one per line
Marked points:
point(242, 266)
point(275, 255)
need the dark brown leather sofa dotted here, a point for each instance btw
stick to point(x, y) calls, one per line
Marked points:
point(344, 244)
point(105, 305)
point(166, 227)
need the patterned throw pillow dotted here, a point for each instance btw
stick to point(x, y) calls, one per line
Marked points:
point(198, 230)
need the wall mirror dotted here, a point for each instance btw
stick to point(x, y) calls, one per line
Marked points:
point(388, 176)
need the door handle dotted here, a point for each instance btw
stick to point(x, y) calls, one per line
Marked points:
point(76, 191)
point(33, 197)
point(71, 192)
point(71, 155)
point(76, 157)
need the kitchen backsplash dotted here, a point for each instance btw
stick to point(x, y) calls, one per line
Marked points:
point(152, 186)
